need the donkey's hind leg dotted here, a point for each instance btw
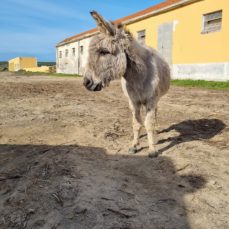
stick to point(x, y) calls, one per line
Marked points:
point(155, 118)
point(137, 124)
point(150, 123)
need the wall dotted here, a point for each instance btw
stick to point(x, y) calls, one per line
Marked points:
point(46, 69)
point(11, 66)
point(19, 63)
point(28, 62)
point(67, 64)
point(190, 45)
point(72, 64)
point(14, 64)
point(192, 51)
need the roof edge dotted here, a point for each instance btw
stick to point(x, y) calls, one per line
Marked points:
point(162, 10)
point(83, 36)
point(94, 31)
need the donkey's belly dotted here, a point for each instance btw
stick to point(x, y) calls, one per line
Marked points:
point(138, 93)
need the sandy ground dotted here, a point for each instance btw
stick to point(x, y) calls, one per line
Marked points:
point(64, 160)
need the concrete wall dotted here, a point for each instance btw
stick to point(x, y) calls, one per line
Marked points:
point(14, 64)
point(11, 67)
point(207, 71)
point(45, 69)
point(28, 62)
point(72, 64)
point(19, 63)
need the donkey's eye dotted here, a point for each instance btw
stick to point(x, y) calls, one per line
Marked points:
point(104, 51)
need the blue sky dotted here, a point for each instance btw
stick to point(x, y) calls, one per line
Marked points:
point(34, 27)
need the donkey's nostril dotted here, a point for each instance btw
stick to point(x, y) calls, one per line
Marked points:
point(98, 87)
point(87, 82)
point(91, 86)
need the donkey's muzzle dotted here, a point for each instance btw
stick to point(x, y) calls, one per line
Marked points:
point(91, 86)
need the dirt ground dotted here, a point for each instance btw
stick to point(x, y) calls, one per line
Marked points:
point(64, 160)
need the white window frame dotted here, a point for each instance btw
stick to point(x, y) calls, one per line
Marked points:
point(81, 49)
point(66, 52)
point(73, 51)
point(210, 17)
point(141, 36)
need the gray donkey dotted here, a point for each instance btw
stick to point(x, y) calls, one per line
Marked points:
point(145, 76)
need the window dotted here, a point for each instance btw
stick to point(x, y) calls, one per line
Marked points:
point(60, 54)
point(141, 36)
point(81, 49)
point(66, 52)
point(73, 51)
point(212, 22)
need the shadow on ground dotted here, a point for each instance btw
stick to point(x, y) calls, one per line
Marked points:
point(43, 186)
point(192, 130)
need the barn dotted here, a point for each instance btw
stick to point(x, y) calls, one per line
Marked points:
point(192, 35)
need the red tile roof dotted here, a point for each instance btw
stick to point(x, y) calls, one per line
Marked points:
point(80, 35)
point(127, 18)
point(149, 10)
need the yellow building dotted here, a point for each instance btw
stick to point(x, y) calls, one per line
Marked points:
point(20, 63)
point(192, 35)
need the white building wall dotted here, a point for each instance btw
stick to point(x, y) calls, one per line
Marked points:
point(204, 71)
point(85, 43)
point(72, 64)
point(76, 64)
point(67, 64)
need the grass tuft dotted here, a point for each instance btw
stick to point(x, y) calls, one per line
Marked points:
point(46, 74)
point(202, 84)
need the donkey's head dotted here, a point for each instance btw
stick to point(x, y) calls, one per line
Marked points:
point(107, 54)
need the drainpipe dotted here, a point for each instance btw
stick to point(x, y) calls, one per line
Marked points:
point(57, 60)
point(78, 57)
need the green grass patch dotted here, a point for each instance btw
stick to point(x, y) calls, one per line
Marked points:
point(3, 66)
point(46, 74)
point(3, 63)
point(202, 84)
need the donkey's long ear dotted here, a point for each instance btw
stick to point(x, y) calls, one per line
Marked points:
point(103, 25)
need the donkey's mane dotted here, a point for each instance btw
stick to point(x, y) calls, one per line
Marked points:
point(137, 56)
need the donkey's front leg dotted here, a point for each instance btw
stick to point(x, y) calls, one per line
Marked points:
point(151, 132)
point(137, 124)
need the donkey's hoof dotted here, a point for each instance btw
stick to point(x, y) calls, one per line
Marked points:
point(153, 154)
point(133, 150)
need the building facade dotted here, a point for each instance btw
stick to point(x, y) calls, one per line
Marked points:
point(20, 63)
point(192, 35)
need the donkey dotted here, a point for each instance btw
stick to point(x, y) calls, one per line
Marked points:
point(145, 75)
